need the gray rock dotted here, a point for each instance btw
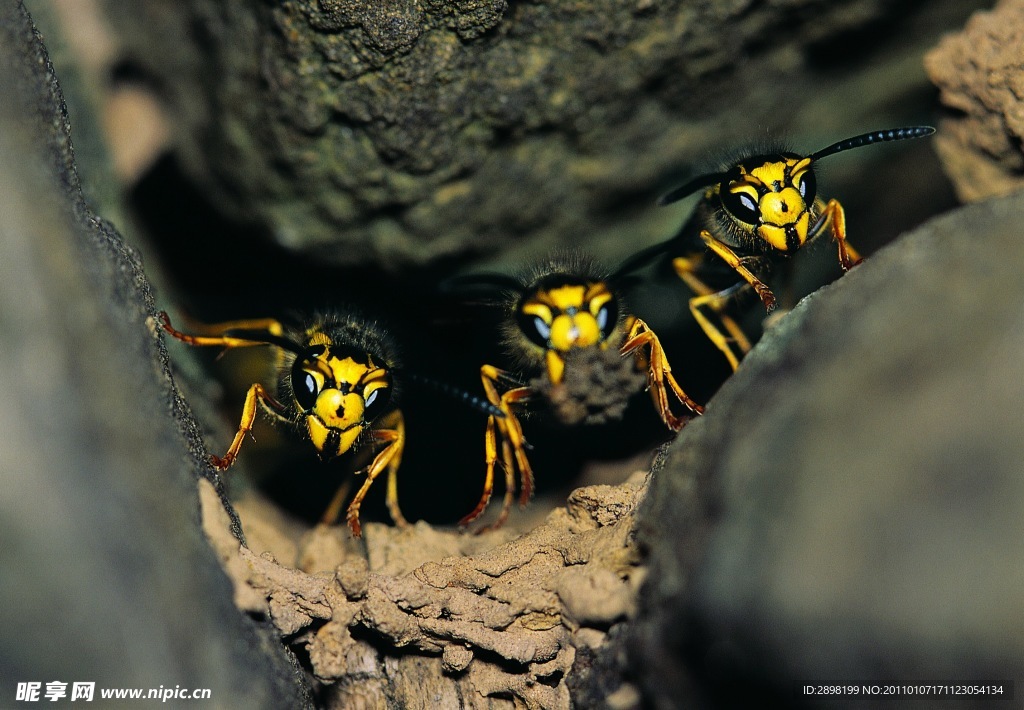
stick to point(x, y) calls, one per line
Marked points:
point(107, 577)
point(851, 506)
point(398, 136)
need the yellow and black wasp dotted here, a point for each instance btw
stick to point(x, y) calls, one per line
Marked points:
point(338, 387)
point(754, 213)
point(574, 343)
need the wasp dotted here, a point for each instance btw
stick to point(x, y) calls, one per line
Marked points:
point(566, 322)
point(753, 214)
point(338, 387)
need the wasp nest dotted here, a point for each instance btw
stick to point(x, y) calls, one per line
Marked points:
point(479, 620)
point(598, 385)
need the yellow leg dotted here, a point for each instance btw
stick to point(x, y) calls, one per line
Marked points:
point(215, 333)
point(715, 301)
point(256, 394)
point(659, 372)
point(392, 494)
point(509, 432)
point(729, 257)
point(491, 455)
point(510, 487)
point(394, 442)
point(834, 217)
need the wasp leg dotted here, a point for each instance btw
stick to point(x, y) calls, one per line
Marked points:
point(834, 217)
point(658, 373)
point(510, 487)
point(510, 432)
point(491, 454)
point(395, 422)
point(214, 334)
point(715, 301)
point(256, 394)
point(729, 257)
point(392, 434)
point(388, 457)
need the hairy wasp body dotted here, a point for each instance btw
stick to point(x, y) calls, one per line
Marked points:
point(337, 387)
point(753, 214)
point(563, 316)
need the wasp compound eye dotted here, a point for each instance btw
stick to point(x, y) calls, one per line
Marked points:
point(607, 317)
point(808, 186)
point(376, 401)
point(741, 205)
point(305, 387)
point(535, 328)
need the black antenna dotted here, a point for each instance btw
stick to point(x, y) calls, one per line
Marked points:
point(689, 188)
point(892, 134)
point(461, 395)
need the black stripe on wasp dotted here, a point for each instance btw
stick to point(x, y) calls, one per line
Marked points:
point(572, 343)
point(338, 386)
point(753, 215)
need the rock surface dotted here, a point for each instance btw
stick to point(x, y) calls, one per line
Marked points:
point(107, 577)
point(851, 507)
point(978, 71)
point(399, 136)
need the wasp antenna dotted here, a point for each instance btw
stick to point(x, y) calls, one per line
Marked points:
point(892, 134)
point(689, 188)
point(456, 393)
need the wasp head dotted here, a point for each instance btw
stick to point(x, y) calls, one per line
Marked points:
point(772, 198)
point(339, 391)
point(562, 312)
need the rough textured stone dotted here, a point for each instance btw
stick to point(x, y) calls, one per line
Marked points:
point(487, 621)
point(107, 577)
point(979, 73)
point(851, 505)
point(401, 133)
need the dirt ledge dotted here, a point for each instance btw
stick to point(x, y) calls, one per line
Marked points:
point(483, 621)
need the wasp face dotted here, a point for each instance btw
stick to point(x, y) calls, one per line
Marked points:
point(772, 198)
point(340, 391)
point(562, 313)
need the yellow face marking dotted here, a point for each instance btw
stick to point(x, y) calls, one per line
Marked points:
point(783, 213)
point(578, 330)
point(772, 174)
point(338, 415)
point(782, 207)
point(777, 236)
point(571, 315)
point(318, 434)
point(564, 297)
